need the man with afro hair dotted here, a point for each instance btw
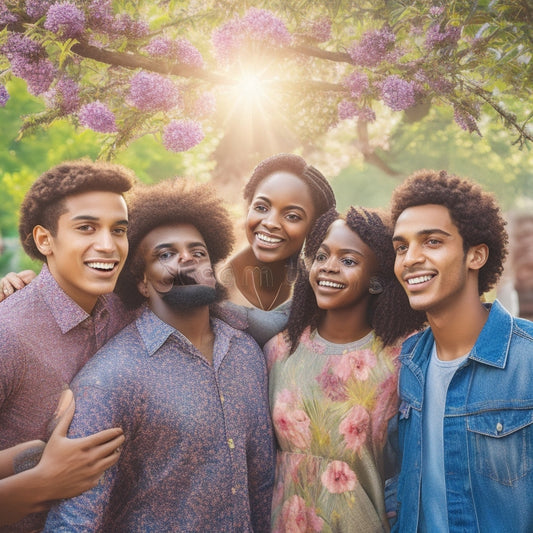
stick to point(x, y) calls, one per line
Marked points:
point(189, 391)
point(466, 412)
point(73, 219)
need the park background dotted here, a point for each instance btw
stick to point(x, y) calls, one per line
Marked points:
point(367, 92)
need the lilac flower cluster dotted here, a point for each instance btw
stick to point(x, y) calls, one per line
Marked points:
point(319, 30)
point(180, 50)
point(348, 109)
point(257, 24)
point(397, 93)
point(64, 96)
point(28, 61)
point(4, 96)
point(182, 135)
point(373, 48)
point(357, 83)
point(102, 19)
point(438, 36)
point(35, 9)
point(6, 16)
point(436, 11)
point(465, 119)
point(152, 92)
point(66, 19)
point(204, 106)
point(97, 117)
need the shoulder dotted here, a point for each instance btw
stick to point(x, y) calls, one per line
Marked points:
point(277, 348)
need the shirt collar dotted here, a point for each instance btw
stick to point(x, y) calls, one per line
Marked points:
point(66, 312)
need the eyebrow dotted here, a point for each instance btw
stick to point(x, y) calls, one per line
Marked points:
point(170, 245)
point(423, 233)
point(343, 250)
point(288, 207)
point(96, 219)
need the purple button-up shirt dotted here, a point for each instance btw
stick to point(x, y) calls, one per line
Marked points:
point(198, 454)
point(45, 338)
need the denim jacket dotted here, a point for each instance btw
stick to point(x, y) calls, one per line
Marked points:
point(488, 430)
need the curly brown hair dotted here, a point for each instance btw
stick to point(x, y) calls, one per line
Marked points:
point(474, 211)
point(175, 201)
point(45, 201)
point(320, 189)
point(389, 313)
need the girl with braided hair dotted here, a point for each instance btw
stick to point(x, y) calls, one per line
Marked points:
point(333, 376)
point(285, 196)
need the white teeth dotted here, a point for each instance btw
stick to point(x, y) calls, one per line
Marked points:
point(419, 279)
point(102, 266)
point(331, 284)
point(266, 238)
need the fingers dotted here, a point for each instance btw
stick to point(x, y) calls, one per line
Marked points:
point(12, 282)
point(108, 439)
point(25, 276)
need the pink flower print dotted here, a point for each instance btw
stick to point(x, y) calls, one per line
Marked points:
point(338, 477)
point(276, 349)
point(291, 424)
point(332, 385)
point(357, 364)
point(296, 517)
point(314, 344)
point(386, 407)
point(354, 427)
point(293, 464)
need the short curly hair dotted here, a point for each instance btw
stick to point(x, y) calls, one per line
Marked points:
point(45, 201)
point(389, 313)
point(319, 187)
point(174, 201)
point(474, 211)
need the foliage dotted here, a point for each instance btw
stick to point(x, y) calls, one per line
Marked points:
point(184, 70)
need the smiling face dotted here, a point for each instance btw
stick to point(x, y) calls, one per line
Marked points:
point(89, 248)
point(342, 268)
point(175, 258)
point(431, 263)
point(280, 216)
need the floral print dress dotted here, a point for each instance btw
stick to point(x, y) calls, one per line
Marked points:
point(331, 404)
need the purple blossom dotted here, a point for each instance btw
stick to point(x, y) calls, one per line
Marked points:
point(100, 14)
point(257, 25)
point(125, 25)
point(397, 93)
point(181, 135)
point(35, 9)
point(319, 30)
point(97, 117)
point(39, 75)
point(348, 109)
point(6, 16)
point(373, 48)
point(4, 96)
point(204, 106)
point(64, 96)
point(181, 50)
point(366, 114)
point(65, 19)
point(357, 83)
point(436, 11)
point(152, 92)
point(18, 45)
point(438, 36)
point(465, 120)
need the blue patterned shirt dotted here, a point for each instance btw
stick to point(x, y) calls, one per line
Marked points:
point(199, 452)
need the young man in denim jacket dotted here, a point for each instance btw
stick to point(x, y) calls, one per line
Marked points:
point(466, 413)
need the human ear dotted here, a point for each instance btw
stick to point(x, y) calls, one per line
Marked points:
point(42, 238)
point(477, 256)
point(142, 287)
point(375, 286)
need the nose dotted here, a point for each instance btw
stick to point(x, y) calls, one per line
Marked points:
point(412, 256)
point(271, 220)
point(105, 241)
point(330, 265)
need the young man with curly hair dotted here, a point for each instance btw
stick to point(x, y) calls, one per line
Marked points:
point(74, 220)
point(466, 412)
point(189, 391)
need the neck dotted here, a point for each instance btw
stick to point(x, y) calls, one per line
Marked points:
point(192, 323)
point(342, 326)
point(457, 328)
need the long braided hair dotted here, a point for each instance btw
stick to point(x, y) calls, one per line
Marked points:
point(389, 313)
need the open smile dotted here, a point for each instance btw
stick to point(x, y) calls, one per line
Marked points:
point(419, 280)
point(268, 239)
point(102, 266)
point(330, 284)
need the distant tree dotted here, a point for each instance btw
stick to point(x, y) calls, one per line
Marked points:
point(278, 75)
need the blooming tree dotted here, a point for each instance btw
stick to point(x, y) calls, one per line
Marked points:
point(274, 76)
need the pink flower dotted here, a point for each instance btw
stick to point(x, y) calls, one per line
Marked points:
point(357, 364)
point(291, 424)
point(332, 385)
point(338, 477)
point(313, 343)
point(182, 135)
point(276, 349)
point(296, 517)
point(373, 48)
point(354, 427)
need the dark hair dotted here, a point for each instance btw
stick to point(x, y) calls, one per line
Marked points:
point(474, 211)
point(389, 313)
point(175, 201)
point(320, 189)
point(45, 201)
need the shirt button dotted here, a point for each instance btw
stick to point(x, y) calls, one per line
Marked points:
point(233, 490)
point(222, 398)
point(231, 444)
point(499, 427)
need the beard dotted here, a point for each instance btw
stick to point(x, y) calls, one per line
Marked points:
point(183, 297)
